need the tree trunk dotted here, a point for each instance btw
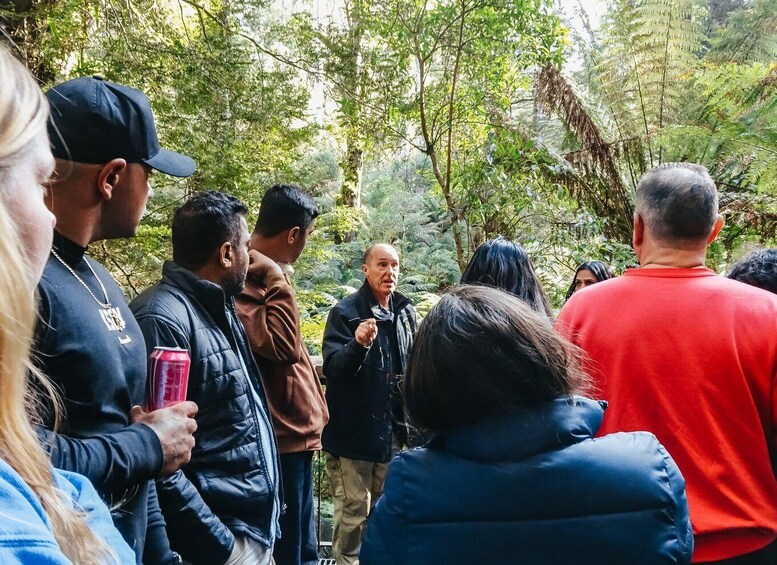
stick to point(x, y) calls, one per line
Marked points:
point(350, 192)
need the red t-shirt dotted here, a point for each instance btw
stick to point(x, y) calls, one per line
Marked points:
point(692, 357)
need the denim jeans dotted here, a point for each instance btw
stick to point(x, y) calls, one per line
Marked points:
point(298, 544)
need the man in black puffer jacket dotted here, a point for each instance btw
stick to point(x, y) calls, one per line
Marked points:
point(223, 507)
point(367, 341)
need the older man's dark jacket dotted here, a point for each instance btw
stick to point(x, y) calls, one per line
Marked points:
point(360, 386)
point(225, 489)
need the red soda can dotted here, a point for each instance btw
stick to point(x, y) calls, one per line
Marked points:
point(168, 377)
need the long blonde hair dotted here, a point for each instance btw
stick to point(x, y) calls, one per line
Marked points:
point(23, 115)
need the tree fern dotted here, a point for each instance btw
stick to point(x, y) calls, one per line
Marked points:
point(749, 37)
point(599, 183)
point(650, 50)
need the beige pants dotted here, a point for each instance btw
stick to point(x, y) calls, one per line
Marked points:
point(249, 552)
point(356, 487)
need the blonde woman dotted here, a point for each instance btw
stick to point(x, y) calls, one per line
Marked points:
point(46, 516)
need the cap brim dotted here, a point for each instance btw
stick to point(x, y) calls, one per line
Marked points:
point(171, 163)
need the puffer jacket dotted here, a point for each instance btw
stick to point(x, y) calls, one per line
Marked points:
point(231, 485)
point(358, 387)
point(532, 486)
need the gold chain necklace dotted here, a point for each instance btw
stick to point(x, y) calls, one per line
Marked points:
point(107, 304)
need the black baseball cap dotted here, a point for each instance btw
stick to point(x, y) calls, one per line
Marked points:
point(94, 121)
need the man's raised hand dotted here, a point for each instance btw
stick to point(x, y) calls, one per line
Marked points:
point(366, 332)
point(260, 265)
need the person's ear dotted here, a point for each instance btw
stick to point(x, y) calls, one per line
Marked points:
point(108, 177)
point(364, 269)
point(226, 255)
point(293, 235)
point(639, 231)
point(719, 222)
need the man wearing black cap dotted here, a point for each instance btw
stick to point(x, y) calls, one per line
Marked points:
point(105, 143)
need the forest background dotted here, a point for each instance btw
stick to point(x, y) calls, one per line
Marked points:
point(433, 124)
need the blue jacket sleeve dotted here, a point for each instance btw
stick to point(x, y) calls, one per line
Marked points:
point(682, 519)
point(25, 536)
point(193, 529)
point(97, 516)
point(116, 461)
point(343, 355)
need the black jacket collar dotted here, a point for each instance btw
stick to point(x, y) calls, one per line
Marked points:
point(207, 293)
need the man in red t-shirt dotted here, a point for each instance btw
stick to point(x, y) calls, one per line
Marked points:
point(692, 357)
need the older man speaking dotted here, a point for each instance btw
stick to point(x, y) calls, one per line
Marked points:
point(366, 345)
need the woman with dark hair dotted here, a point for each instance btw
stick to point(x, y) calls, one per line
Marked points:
point(513, 474)
point(588, 273)
point(758, 269)
point(503, 264)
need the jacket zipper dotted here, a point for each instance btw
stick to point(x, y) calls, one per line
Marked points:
point(252, 402)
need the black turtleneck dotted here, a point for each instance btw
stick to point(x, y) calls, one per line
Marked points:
point(97, 358)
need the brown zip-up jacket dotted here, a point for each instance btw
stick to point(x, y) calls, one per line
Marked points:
point(269, 313)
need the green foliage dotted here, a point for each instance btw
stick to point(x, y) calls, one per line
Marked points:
point(312, 330)
point(430, 132)
point(749, 35)
point(343, 220)
point(401, 209)
point(359, 73)
point(671, 81)
point(216, 97)
point(235, 111)
point(470, 59)
point(735, 133)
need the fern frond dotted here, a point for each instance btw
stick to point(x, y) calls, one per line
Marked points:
point(597, 158)
point(750, 35)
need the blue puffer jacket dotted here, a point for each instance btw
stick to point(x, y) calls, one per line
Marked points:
point(532, 486)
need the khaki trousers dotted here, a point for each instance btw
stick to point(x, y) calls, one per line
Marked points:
point(356, 487)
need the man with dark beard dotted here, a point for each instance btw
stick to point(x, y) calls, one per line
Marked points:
point(223, 507)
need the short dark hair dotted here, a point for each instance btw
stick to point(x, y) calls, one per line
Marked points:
point(678, 202)
point(285, 207)
point(757, 269)
point(504, 264)
point(599, 269)
point(202, 224)
point(480, 349)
